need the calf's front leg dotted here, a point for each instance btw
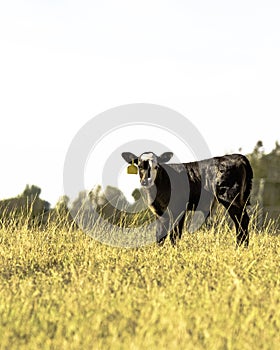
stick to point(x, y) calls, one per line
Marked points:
point(162, 228)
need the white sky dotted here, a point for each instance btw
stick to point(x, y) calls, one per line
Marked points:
point(63, 62)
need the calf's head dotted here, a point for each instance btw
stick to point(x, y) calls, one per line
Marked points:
point(148, 164)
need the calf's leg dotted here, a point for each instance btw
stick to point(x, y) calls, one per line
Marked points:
point(177, 231)
point(240, 218)
point(162, 227)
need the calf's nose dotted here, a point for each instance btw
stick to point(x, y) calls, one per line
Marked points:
point(144, 182)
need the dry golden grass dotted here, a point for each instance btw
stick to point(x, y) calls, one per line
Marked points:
point(61, 289)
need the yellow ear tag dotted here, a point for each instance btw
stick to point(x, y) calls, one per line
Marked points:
point(132, 169)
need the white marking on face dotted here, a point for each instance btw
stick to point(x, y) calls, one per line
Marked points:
point(148, 168)
point(148, 156)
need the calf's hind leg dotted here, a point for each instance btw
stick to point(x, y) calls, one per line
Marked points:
point(241, 224)
point(241, 219)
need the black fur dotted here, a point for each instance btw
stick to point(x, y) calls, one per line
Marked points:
point(195, 186)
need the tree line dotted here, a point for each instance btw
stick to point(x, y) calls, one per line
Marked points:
point(112, 205)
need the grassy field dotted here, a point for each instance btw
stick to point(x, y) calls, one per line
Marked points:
point(62, 289)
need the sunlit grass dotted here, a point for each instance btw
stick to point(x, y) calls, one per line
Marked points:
point(61, 289)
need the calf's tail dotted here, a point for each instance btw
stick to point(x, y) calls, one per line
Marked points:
point(248, 181)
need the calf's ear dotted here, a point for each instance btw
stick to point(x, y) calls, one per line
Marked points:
point(129, 157)
point(165, 157)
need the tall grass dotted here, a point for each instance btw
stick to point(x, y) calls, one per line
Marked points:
point(61, 289)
